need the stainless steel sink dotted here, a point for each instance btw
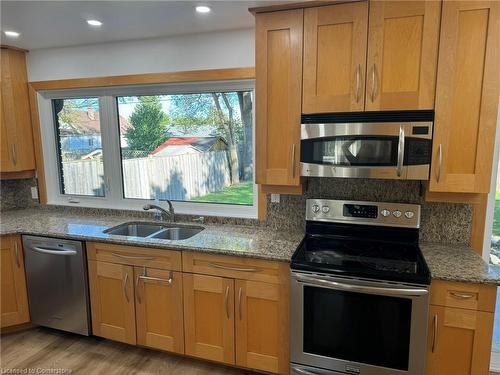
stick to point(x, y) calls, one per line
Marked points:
point(180, 233)
point(155, 230)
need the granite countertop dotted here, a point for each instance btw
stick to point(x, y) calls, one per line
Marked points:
point(451, 262)
point(249, 241)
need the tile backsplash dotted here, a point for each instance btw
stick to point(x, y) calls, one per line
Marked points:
point(15, 194)
point(440, 222)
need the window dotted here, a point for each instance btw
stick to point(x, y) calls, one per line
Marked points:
point(192, 144)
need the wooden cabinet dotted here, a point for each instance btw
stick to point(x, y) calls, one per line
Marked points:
point(158, 308)
point(209, 317)
point(132, 302)
point(335, 58)
point(112, 301)
point(460, 328)
point(261, 324)
point(17, 152)
point(403, 39)
point(468, 87)
point(278, 66)
point(14, 297)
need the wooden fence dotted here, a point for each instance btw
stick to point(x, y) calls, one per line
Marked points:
point(180, 177)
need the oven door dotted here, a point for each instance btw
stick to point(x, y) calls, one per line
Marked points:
point(366, 150)
point(357, 326)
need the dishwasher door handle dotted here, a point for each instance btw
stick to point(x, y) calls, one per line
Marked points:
point(43, 250)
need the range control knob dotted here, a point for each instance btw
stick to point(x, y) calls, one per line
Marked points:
point(385, 212)
point(325, 209)
point(397, 213)
point(315, 208)
point(409, 214)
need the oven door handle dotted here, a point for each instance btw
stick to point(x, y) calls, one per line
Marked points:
point(360, 288)
point(302, 371)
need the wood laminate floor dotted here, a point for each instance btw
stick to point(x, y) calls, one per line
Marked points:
point(46, 351)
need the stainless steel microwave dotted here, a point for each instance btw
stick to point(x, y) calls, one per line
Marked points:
point(386, 145)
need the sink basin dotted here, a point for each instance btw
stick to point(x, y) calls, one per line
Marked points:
point(180, 233)
point(155, 230)
point(135, 229)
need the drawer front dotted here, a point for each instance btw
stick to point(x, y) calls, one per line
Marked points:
point(236, 267)
point(134, 256)
point(470, 296)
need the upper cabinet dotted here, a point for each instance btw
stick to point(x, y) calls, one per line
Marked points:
point(468, 85)
point(278, 85)
point(335, 58)
point(402, 55)
point(17, 153)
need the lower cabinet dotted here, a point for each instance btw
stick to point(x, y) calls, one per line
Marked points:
point(14, 296)
point(460, 328)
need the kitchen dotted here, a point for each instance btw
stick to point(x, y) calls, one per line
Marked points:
point(252, 186)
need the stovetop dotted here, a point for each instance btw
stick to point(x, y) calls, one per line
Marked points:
point(382, 252)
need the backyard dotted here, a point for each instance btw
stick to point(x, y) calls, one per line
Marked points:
point(235, 194)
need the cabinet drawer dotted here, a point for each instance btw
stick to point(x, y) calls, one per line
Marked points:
point(463, 295)
point(236, 267)
point(134, 256)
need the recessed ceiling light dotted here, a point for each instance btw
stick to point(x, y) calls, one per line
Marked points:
point(13, 34)
point(94, 22)
point(202, 9)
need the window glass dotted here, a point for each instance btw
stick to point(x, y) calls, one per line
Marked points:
point(188, 147)
point(79, 146)
point(495, 263)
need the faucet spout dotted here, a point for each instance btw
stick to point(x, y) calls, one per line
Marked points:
point(160, 213)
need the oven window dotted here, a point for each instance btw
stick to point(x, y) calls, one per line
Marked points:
point(357, 327)
point(350, 151)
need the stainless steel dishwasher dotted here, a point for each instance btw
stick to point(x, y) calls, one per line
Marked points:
point(56, 273)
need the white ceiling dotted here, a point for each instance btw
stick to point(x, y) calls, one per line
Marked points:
point(45, 24)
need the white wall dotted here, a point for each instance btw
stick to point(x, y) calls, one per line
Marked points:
point(226, 49)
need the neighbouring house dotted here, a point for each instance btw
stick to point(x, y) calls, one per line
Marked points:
point(83, 134)
point(189, 145)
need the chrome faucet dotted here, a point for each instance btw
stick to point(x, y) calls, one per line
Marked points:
point(161, 214)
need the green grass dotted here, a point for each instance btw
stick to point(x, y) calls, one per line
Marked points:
point(235, 194)
point(496, 214)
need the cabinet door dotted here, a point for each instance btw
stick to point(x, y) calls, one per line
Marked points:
point(159, 314)
point(468, 86)
point(112, 301)
point(262, 326)
point(278, 54)
point(459, 341)
point(16, 118)
point(209, 317)
point(335, 58)
point(402, 55)
point(14, 297)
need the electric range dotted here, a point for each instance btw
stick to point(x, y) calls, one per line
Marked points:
point(359, 291)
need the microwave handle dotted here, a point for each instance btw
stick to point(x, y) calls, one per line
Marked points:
point(401, 151)
point(360, 288)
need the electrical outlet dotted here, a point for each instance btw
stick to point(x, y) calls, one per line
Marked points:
point(275, 198)
point(34, 192)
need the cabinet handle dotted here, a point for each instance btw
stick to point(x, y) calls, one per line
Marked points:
point(440, 162)
point(458, 295)
point(226, 301)
point(125, 287)
point(434, 333)
point(239, 303)
point(374, 83)
point(137, 294)
point(215, 265)
point(14, 154)
point(150, 278)
point(132, 257)
point(293, 160)
point(358, 82)
point(16, 253)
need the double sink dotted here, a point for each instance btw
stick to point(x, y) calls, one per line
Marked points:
point(161, 231)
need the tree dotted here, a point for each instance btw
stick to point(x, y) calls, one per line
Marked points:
point(149, 124)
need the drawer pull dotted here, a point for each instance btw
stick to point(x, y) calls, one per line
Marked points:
point(125, 292)
point(132, 257)
point(239, 269)
point(137, 295)
point(462, 296)
point(434, 333)
point(150, 278)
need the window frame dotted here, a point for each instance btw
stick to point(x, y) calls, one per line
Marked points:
point(110, 139)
